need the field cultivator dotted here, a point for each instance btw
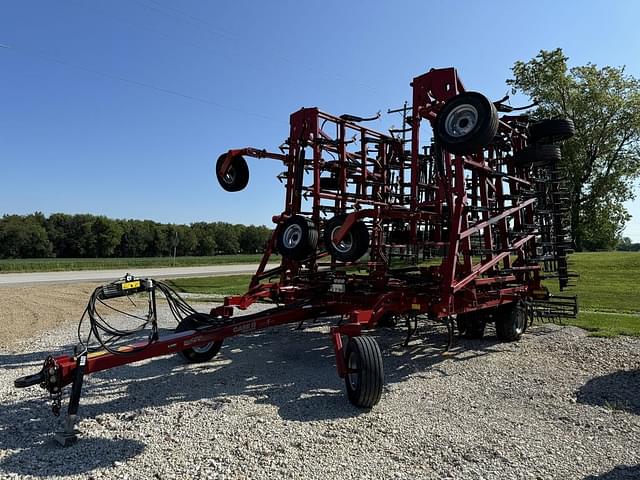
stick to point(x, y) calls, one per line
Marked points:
point(376, 228)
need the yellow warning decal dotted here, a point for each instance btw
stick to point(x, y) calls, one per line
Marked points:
point(415, 306)
point(130, 285)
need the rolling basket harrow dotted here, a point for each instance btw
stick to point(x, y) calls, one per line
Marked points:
point(375, 228)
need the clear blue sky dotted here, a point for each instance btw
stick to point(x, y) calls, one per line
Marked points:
point(79, 133)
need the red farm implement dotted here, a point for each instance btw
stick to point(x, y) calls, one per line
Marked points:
point(462, 228)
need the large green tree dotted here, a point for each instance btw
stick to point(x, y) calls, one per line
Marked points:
point(602, 160)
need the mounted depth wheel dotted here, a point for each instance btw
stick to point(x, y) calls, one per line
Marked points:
point(297, 238)
point(466, 123)
point(365, 372)
point(537, 155)
point(471, 325)
point(511, 322)
point(330, 183)
point(552, 130)
point(237, 176)
point(203, 353)
point(353, 246)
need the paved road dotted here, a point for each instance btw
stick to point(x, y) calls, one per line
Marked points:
point(13, 279)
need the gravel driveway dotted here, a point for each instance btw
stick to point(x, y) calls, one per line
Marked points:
point(558, 404)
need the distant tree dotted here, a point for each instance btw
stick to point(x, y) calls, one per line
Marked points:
point(58, 230)
point(626, 245)
point(227, 238)
point(253, 239)
point(107, 236)
point(84, 235)
point(205, 239)
point(603, 158)
point(24, 237)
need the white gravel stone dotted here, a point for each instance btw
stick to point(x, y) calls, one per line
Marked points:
point(558, 404)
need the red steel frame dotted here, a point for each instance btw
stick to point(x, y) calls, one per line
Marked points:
point(460, 283)
point(473, 212)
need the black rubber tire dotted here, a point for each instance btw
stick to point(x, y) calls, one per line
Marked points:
point(237, 176)
point(511, 322)
point(297, 238)
point(471, 325)
point(199, 354)
point(365, 371)
point(388, 320)
point(479, 135)
point(537, 155)
point(552, 130)
point(329, 183)
point(355, 243)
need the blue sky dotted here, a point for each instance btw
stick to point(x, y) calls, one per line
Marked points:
point(121, 107)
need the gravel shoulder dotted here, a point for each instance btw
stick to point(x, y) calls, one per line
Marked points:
point(558, 404)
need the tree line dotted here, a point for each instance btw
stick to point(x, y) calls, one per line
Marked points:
point(90, 236)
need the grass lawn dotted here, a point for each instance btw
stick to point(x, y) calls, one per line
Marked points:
point(214, 286)
point(608, 291)
point(66, 264)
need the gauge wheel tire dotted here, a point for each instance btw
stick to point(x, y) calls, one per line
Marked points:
point(329, 183)
point(203, 353)
point(466, 123)
point(237, 176)
point(297, 238)
point(353, 246)
point(537, 155)
point(471, 325)
point(552, 130)
point(511, 322)
point(365, 371)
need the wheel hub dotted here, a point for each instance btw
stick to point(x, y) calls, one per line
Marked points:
point(345, 245)
point(352, 372)
point(203, 348)
point(461, 120)
point(230, 176)
point(292, 236)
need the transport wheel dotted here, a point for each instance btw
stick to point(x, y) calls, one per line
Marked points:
point(297, 238)
point(203, 353)
point(389, 320)
point(552, 130)
point(537, 155)
point(237, 177)
point(365, 372)
point(467, 122)
point(511, 322)
point(471, 325)
point(353, 246)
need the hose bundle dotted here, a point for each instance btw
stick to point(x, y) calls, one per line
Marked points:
point(107, 335)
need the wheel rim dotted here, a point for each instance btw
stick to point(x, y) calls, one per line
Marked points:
point(203, 348)
point(353, 372)
point(292, 236)
point(230, 176)
point(461, 120)
point(520, 319)
point(345, 245)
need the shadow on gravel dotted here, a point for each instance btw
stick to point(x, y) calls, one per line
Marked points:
point(19, 360)
point(620, 472)
point(293, 370)
point(618, 391)
point(27, 430)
